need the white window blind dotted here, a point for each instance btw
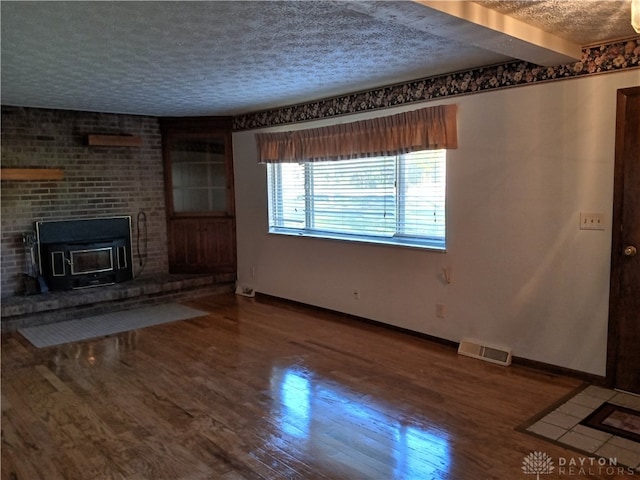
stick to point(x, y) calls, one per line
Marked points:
point(395, 199)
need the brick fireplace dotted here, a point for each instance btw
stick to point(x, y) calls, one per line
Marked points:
point(103, 181)
point(97, 182)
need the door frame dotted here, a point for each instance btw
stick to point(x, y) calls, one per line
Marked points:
point(617, 240)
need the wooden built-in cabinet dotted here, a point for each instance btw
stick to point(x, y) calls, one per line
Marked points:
point(198, 166)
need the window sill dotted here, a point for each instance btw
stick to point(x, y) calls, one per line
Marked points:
point(404, 242)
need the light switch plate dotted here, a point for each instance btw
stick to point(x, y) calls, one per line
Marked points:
point(591, 221)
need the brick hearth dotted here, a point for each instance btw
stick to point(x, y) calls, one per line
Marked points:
point(22, 311)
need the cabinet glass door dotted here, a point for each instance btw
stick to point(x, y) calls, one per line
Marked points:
point(199, 175)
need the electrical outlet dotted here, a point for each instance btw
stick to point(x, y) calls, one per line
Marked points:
point(591, 221)
point(439, 310)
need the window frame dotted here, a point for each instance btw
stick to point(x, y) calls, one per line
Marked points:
point(434, 243)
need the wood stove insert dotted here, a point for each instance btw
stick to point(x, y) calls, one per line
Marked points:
point(76, 254)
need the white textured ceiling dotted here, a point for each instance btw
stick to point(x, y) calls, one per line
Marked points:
point(226, 58)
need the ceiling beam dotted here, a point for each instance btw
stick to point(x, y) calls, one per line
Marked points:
point(472, 23)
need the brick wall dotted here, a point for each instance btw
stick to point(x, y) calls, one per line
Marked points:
point(98, 181)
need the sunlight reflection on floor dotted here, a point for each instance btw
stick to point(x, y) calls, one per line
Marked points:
point(329, 422)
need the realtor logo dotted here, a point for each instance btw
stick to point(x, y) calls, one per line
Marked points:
point(537, 463)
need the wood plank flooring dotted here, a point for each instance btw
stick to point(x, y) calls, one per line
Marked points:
point(264, 389)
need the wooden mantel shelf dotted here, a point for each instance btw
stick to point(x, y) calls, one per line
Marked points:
point(31, 174)
point(114, 140)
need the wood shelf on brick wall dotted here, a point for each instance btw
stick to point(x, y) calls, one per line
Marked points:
point(31, 174)
point(114, 140)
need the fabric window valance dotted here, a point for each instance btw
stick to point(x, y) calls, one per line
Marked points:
point(425, 129)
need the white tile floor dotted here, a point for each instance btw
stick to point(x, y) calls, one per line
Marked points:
point(562, 425)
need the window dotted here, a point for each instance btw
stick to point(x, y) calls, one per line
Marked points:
point(392, 200)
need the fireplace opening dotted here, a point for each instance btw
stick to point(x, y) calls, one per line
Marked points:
point(78, 254)
point(91, 261)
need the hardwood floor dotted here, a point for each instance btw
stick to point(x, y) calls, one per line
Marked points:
point(264, 389)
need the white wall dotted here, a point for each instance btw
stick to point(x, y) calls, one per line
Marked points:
point(524, 275)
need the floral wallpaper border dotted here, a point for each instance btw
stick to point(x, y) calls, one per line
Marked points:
point(595, 60)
